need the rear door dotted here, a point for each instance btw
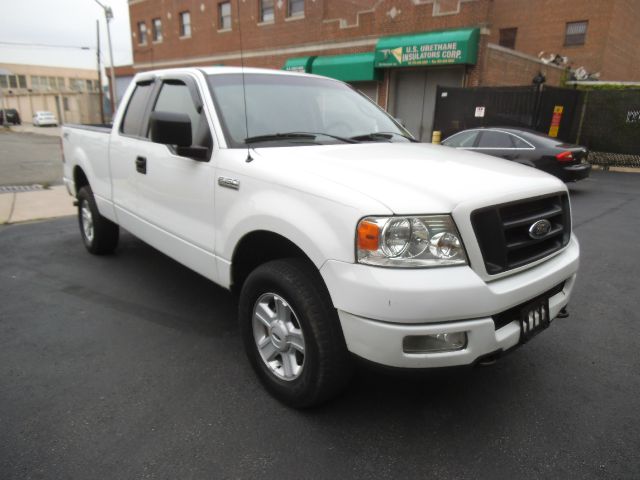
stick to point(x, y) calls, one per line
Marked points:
point(126, 144)
point(496, 143)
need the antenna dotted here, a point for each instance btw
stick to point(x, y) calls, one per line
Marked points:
point(244, 87)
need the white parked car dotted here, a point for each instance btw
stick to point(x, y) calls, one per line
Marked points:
point(43, 119)
point(342, 235)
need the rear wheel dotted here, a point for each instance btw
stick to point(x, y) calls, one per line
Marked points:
point(292, 333)
point(99, 234)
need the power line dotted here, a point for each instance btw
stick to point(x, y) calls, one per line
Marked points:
point(43, 45)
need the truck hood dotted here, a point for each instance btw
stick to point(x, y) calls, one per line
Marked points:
point(409, 178)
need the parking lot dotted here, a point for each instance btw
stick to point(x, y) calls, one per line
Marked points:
point(131, 366)
point(27, 157)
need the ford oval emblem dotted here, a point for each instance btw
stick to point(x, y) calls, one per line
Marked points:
point(540, 229)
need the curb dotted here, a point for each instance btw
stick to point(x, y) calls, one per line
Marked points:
point(605, 168)
point(18, 207)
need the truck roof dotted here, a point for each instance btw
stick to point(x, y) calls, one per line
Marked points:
point(217, 70)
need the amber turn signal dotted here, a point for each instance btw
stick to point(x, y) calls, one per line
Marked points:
point(368, 235)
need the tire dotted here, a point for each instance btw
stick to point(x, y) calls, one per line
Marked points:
point(319, 372)
point(99, 234)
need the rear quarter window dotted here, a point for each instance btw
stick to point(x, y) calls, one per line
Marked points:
point(134, 115)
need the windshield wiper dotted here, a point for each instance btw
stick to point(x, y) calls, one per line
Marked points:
point(381, 136)
point(294, 136)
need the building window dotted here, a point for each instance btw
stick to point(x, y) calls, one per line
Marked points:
point(35, 82)
point(295, 8)
point(185, 24)
point(508, 37)
point(89, 85)
point(22, 81)
point(3, 81)
point(53, 82)
point(224, 15)
point(266, 11)
point(575, 33)
point(76, 84)
point(142, 33)
point(156, 30)
point(61, 83)
point(65, 103)
point(13, 81)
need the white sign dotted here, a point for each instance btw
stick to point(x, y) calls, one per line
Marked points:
point(479, 111)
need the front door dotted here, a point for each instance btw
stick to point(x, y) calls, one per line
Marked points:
point(176, 193)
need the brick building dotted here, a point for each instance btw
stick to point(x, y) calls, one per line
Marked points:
point(396, 51)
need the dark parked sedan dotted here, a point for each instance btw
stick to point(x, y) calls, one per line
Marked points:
point(566, 161)
point(12, 116)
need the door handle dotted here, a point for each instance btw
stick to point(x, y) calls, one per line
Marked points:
point(141, 165)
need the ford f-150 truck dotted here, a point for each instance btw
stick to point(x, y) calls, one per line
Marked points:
point(342, 236)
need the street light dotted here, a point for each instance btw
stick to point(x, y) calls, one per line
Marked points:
point(108, 15)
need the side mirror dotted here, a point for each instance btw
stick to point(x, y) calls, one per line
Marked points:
point(171, 128)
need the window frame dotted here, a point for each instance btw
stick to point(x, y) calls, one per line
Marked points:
point(185, 30)
point(575, 39)
point(156, 30)
point(142, 33)
point(290, 13)
point(221, 17)
point(504, 35)
point(262, 11)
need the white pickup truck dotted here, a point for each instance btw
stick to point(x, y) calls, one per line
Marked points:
point(340, 233)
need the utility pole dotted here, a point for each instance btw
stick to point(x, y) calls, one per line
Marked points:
point(99, 71)
point(108, 15)
point(5, 122)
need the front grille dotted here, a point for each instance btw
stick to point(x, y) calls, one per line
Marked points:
point(503, 231)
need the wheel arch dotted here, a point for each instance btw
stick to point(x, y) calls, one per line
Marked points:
point(258, 247)
point(79, 178)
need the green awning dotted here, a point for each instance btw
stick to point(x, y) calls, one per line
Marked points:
point(299, 64)
point(356, 67)
point(444, 47)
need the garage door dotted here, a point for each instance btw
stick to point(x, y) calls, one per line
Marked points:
point(414, 96)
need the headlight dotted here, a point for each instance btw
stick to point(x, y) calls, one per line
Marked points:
point(426, 241)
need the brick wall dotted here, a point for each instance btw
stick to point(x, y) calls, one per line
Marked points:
point(269, 45)
point(611, 40)
point(505, 67)
point(621, 57)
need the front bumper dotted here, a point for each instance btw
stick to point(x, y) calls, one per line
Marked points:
point(378, 307)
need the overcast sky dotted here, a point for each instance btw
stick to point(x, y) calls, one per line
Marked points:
point(62, 22)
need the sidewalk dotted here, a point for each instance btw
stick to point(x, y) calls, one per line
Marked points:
point(36, 205)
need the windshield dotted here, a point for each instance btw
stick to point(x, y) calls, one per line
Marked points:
point(281, 108)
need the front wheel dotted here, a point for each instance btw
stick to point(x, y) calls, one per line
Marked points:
point(99, 234)
point(292, 333)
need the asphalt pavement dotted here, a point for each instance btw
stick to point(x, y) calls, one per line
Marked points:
point(131, 366)
point(30, 158)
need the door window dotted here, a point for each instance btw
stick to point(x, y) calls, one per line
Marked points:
point(176, 97)
point(493, 139)
point(520, 143)
point(462, 139)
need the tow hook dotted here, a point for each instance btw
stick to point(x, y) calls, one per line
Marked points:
point(564, 313)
